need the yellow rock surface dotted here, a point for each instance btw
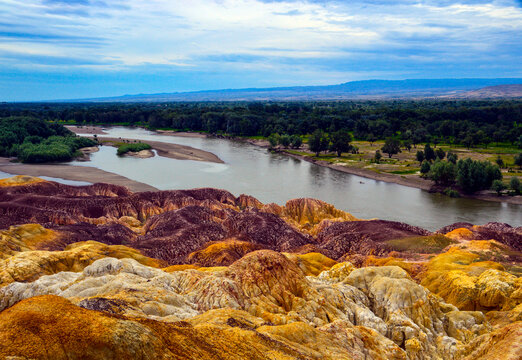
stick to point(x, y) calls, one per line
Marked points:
point(23, 238)
point(19, 180)
point(51, 327)
point(271, 303)
point(309, 215)
point(174, 268)
point(470, 284)
point(412, 268)
point(30, 265)
point(311, 263)
point(460, 234)
point(501, 344)
point(222, 253)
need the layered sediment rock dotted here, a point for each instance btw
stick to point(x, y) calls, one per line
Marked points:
point(201, 274)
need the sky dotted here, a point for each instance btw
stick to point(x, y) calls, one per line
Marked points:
point(58, 49)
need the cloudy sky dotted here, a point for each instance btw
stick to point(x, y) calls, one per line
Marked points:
point(56, 49)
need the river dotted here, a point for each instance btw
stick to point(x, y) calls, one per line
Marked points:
point(252, 170)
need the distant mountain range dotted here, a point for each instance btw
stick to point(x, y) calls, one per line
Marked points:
point(355, 90)
point(493, 92)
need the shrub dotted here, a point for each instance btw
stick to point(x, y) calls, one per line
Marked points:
point(284, 140)
point(134, 147)
point(451, 193)
point(52, 149)
point(295, 142)
point(273, 139)
point(514, 184)
point(425, 168)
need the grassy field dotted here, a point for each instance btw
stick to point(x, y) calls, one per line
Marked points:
point(405, 163)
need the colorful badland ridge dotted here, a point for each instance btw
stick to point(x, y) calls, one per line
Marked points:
point(98, 272)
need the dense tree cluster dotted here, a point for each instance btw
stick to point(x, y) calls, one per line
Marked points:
point(34, 140)
point(464, 122)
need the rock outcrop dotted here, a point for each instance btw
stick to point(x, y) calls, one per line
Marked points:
point(98, 272)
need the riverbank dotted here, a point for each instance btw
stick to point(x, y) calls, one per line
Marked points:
point(72, 172)
point(172, 151)
point(409, 180)
point(92, 130)
point(404, 180)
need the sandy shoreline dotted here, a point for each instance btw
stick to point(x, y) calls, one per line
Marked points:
point(86, 130)
point(72, 172)
point(180, 133)
point(172, 151)
point(169, 150)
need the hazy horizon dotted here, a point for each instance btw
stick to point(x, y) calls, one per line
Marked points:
point(57, 49)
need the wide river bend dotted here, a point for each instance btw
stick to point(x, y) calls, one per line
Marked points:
point(253, 170)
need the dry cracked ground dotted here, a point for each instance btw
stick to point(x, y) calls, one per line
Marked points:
point(98, 272)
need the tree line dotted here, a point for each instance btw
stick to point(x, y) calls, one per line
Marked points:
point(469, 123)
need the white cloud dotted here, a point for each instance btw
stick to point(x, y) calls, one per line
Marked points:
point(182, 33)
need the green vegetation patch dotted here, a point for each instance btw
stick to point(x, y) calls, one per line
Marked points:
point(404, 172)
point(33, 140)
point(134, 147)
point(421, 244)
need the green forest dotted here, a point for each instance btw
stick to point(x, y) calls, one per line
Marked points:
point(469, 123)
point(34, 140)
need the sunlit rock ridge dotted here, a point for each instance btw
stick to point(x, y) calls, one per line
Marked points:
point(99, 272)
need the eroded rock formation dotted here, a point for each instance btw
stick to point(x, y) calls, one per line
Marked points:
point(98, 272)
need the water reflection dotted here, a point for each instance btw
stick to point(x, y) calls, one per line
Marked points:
point(277, 178)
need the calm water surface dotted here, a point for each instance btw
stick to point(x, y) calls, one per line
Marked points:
point(277, 178)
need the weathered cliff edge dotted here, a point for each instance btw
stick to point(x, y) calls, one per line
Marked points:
point(99, 272)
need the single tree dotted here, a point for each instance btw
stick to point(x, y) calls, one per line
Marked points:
point(425, 168)
point(284, 140)
point(407, 144)
point(518, 160)
point(429, 153)
point(498, 186)
point(295, 142)
point(443, 172)
point(420, 156)
point(273, 139)
point(340, 141)
point(468, 141)
point(514, 184)
point(440, 153)
point(452, 157)
point(378, 156)
point(371, 138)
point(499, 161)
point(391, 147)
point(318, 142)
